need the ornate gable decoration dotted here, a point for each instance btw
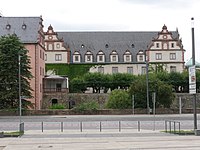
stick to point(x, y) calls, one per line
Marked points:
point(165, 41)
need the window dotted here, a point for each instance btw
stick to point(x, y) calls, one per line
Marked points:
point(45, 57)
point(172, 68)
point(24, 26)
point(133, 46)
point(114, 58)
point(101, 69)
point(130, 70)
point(128, 58)
point(57, 45)
point(88, 58)
point(106, 46)
point(8, 26)
point(143, 70)
point(82, 45)
point(172, 56)
point(50, 47)
point(58, 57)
point(157, 45)
point(114, 69)
point(76, 58)
point(172, 45)
point(101, 58)
point(141, 58)
point(158, 56)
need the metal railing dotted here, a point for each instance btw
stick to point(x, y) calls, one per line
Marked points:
point(172, 125)
point(95, 125)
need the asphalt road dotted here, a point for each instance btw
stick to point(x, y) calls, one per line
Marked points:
point(97, 122)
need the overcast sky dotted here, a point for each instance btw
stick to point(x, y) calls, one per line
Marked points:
point(114, 15)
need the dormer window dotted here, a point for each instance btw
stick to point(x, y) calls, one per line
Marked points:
point(127, 56)
point(88, 57)
point(140, 56)
point(106, 46)
point(82, 45)
point(8, 26)
point(132, 45)
point(100, 56)
point(76, 57)
point(114, 56)
point(24, 26)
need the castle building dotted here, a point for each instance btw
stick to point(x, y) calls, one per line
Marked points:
point(116, 52)
point(30, 32)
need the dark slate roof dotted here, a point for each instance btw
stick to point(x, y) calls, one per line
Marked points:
point(119, 41)
point(28, 35)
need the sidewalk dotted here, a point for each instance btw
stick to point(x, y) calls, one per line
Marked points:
point(95, 140)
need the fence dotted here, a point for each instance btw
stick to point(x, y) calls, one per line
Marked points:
point(172, 126)
point(95, 125)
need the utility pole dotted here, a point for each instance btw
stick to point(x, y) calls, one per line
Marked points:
point(147, 82)
point(20, 100)
point(193, 64)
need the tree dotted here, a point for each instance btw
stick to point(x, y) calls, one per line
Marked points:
point(119, 99)
point(10, 49)
point(164, 93)
point(121, 81)
point(77, 85)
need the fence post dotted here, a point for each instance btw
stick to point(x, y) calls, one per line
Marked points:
point(174, 127)
point(42, 126)
point(179, 126)
point(170, 129)
point(81, 127)
point(119, 126)
point(100, 128)
point(138, 125)
point(166, 126)
point(61, 126)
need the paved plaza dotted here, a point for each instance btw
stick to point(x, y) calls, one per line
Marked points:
point(106, 140)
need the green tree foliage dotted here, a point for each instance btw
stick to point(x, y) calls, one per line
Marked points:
point(121, 81)
point(10, 49)
point(119, 99)
point(164, 93)
point(77, 85)
point(95, 80)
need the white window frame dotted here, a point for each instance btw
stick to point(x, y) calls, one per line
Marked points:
point(130, 70)
point(158, 56)
point(101, 69)
point(143, 70)
point(172, 56)
point(173, 68)
point(58, 57)
point(115, 70)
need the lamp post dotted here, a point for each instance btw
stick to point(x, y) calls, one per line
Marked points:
point(193, 64)
point(147, 82)
point(20, 100)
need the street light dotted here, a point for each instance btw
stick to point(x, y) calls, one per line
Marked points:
point(147, 81)
point(193, 64)
point(20, 100)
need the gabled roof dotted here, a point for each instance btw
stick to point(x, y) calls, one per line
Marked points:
point(119, 41)
point(26, 28)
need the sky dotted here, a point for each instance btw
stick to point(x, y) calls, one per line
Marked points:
point(114, 15)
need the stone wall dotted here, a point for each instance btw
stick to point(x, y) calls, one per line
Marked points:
point(77, 98)
point(186, 100)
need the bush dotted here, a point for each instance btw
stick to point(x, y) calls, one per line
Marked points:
point(87, 106)
point(119, 99)
point(57, 106)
